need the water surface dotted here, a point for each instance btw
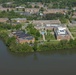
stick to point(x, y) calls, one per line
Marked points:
point(43, 63)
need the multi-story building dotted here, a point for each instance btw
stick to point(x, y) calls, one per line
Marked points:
point(49, 11)
point(19, 20)
point(3, 19)
point(46, 24)
point(32, 10)
point(23, 37)
point(61, 33)
point(37, 22)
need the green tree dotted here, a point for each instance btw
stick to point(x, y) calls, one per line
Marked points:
point(35, 46)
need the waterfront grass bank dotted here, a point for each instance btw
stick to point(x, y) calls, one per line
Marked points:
point(24, 48)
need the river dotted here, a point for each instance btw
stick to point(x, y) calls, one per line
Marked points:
point(44, 63)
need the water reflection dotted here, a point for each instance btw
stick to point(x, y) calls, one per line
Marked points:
point(35, 56)
point(45, 53)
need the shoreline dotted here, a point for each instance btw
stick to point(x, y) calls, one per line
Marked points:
point(40, 51)
point(25, 48)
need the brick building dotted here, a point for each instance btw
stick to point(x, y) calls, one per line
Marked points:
point(61, 33)
point(23, 37)
point(32, 10)
point(19, 20)
point(46, 24)
point(50, 11)
point(3, 19)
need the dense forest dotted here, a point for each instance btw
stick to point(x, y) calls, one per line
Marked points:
point(2, 1)
point(43, 0)
point(61, 3)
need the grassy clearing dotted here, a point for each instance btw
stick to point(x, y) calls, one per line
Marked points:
point(52, 42)
point(49, 36)
point(73, 31)
point(74, 34)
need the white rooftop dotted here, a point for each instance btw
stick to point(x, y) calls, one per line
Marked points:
point(61, 28)
point(47, 24)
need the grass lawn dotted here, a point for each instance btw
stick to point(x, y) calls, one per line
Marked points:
point(49, 36)
point(74, 34)
point(40, 38)
point(52, 42)
point(73, 31)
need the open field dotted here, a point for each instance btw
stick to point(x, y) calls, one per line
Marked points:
point(50, 36)
point(73, 31)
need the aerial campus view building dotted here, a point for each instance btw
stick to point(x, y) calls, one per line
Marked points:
point(61, 33)
point(23, 37)
point(60, 30)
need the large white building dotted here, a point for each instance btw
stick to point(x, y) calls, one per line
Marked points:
point(61, 33)
point(61, 30)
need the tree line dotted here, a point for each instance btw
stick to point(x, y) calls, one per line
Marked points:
point(22, 1)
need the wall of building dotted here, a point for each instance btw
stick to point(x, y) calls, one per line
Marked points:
point(25, 40)
point(60, 37)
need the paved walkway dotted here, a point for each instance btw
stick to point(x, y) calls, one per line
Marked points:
point(43, 37)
